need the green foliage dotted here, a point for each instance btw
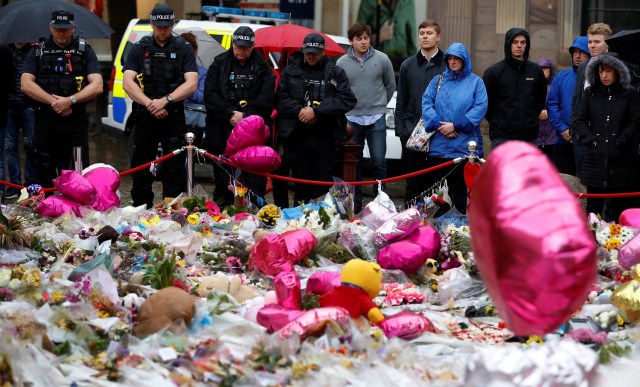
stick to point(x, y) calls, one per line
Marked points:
point(310, 301)
point(609, 349)
point(161, 273)
point(97, 344)
point(62, 349)
point(233, 211)
point(325, 219)
point(194, 202)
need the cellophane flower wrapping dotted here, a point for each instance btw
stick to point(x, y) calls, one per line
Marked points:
point(378, 210)
point(561, 363)
point(343, 195)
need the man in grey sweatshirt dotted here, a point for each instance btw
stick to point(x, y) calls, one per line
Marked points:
point(372, 80)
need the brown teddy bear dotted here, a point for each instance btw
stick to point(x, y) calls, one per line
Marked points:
point(163, 308)
point(232, 286)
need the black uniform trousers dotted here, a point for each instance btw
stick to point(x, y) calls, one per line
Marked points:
point(312, 157)
point(147, 133)
point(55, 137)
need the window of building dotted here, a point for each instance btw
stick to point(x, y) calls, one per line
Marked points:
point(619, 14)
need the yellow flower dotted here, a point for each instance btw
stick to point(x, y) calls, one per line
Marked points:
point(58, 296)
point(193, 218)
point(241, 191)
point(103, 314)
point(612, 244)
point(534, 340)
point(150, 222)
point(181, 263)
point(615, 229)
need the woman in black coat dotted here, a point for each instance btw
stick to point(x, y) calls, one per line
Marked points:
point(608, 121)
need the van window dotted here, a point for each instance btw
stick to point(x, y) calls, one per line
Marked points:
point(135, 37)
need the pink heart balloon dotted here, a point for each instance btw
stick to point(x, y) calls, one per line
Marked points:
point(630, 217)
point(533, 248)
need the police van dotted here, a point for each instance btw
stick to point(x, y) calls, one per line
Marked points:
point(119, 108)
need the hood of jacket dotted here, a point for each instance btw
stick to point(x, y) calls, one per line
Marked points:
point(546, 62)
point(581, 43)
point(592, 75)
point(512, 33)
point(460, 51)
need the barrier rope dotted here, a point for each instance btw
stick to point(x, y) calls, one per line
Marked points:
point(223, 160)
point(330, 183)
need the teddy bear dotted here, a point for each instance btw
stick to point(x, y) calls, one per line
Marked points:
point(233, 286)
point(162, 308)
point(360, 282)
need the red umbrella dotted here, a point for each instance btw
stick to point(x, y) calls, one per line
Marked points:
point(288, 38)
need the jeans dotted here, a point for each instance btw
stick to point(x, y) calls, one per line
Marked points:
point(19, 118)
point(376, 136)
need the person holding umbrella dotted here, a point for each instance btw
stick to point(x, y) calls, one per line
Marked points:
point(239, 83)
point(60, 75)
point(313, 97)
point(159, 74)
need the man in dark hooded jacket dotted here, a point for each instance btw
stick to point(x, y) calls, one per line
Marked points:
point(239, 83)
point(313, 97)
point(517, 91)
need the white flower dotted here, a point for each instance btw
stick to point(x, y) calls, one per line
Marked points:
point(14, 284)
point(5, 276)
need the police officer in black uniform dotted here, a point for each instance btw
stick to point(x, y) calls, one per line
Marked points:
point(159, 73)
point(239, 83)
point(313, 97)
point(60, 75)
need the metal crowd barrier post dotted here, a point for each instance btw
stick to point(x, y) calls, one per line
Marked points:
point(190, 137)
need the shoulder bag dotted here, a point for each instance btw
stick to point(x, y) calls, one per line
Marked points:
point(420, 138)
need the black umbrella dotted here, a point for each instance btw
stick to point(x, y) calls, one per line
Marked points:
point(28, 21)
point(625, 44)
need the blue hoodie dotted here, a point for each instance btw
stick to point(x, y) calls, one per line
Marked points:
point(561, 91)
point(462, 99)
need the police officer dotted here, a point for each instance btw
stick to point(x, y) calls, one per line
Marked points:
point(313, 97)
point(160, 72)
point(60, 75)
point(239, 83)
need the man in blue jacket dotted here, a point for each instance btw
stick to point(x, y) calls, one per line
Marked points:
point(517, 91)
point(559, 105)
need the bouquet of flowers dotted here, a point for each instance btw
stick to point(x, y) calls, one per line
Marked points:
point(342, 195)
point(400, 294)
point(456, 248)
point(268, 215)
point(612, 236)
point(431, 204)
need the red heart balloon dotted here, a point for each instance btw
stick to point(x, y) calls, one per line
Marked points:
point(470, 172)
point(532, 244)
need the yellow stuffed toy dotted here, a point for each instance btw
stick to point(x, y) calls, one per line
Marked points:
point(360, 282)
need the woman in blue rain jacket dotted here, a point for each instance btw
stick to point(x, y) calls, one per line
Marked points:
point(453, 107)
